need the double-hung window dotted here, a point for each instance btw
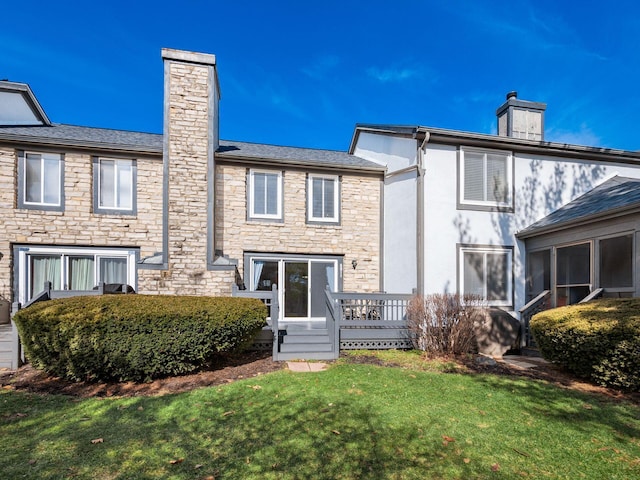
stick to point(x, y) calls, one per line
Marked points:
point(486, 273)
point(265, 194)
point(485, 179)
point(114, 185)
point(323, 198)
point(41, 181)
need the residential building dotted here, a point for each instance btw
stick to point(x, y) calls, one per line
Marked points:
point(181, 212)
point(505, 216)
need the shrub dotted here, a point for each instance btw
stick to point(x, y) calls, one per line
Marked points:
point(599, 340)
point(443, 324)
point(135, 337)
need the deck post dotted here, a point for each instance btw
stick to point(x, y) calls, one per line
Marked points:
point(275, 314)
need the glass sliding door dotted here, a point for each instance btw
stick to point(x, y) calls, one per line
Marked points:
point(296, 289)
point(71, 268)
point(301, 282)
point(322, 276)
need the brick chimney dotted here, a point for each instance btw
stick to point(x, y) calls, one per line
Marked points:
point(521, 118)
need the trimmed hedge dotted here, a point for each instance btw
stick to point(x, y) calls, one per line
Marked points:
point(599, 340)
point(135, 337)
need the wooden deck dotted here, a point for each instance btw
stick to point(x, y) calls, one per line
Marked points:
point(373, 321)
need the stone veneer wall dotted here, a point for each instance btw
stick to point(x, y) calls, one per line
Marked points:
point(78, 225)
point(357, 237)
point(188, 126)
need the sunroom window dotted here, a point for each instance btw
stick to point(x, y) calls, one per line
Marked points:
point(616, 262)
point(573, 273)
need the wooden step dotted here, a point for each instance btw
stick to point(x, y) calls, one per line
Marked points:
point(307, 356)
point(305, 347)
point(303, 338)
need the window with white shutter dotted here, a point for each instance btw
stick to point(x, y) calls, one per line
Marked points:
point(486, 179)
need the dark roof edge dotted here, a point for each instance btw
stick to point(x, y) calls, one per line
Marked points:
point(78, 144)
point(455, 137)
point(296, 163)
point(587, 219)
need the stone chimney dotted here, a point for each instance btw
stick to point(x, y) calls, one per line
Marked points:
point(191, 97)
point(521, 118)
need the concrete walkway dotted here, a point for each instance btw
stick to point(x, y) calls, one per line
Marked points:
point(523, 362)
point(518, 361)
point(306, 366)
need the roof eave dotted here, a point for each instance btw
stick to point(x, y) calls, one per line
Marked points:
point(588, 219)
point(456, 137)
point(297, 163)
point(79, 144)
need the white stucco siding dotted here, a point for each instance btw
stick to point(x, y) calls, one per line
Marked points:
point(541, 185)
point(400, 263)
point(394, 152)
point(400, 233)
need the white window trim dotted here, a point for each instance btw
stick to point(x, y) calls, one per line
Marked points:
point(252, 213)
point(24, 272)
point(488, 250)
point(509, 174)
point(336, 199)
point(116, 184)
point(42, 178)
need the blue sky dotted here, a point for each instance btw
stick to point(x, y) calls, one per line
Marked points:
point(304, 73)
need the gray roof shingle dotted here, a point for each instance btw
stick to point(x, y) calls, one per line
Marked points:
point(151, 143)
point(616, 194)
point(76, 136)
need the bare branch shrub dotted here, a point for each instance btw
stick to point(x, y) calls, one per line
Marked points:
point(443, 324)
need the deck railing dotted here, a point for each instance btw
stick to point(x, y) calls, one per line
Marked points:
point(597, 293)
point(369, 320)
point(270, 299)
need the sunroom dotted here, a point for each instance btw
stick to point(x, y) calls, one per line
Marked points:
point(590, 246)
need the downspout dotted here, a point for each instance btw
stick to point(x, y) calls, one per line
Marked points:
point(420, 228)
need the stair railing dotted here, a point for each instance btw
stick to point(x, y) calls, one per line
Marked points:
point(538, 304)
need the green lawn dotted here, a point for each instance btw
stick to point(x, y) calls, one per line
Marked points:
point(351, 421)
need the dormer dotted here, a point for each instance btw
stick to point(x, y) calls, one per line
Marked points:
point(19, 106)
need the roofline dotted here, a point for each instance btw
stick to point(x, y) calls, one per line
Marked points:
point(78, 144)
point(455, 137)
point(25, 89)
point(152, 151)
point(224, 156)
point(587, 219)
